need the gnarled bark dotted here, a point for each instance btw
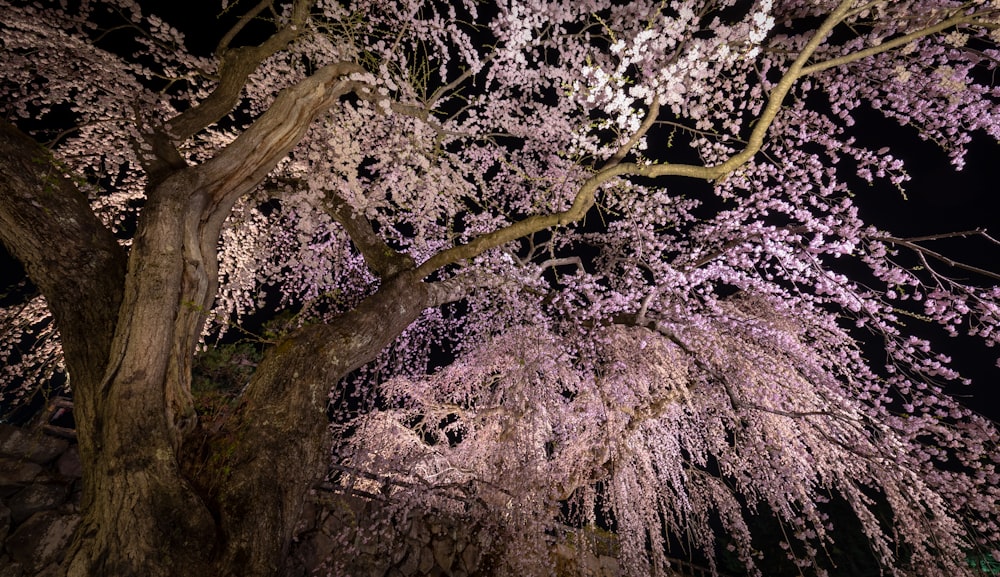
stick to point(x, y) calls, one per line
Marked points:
point(75, 261)
point(154, 503)
point(281, 425)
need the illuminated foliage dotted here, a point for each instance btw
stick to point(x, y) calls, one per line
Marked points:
point(631, 225)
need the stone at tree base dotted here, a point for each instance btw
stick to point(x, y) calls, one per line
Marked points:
point(426, 560)
point(42, 540)
point(69, 465)
point(470, 558)
point(15, 474)
point(409, 566)
point(305, 555)
point(399, 553)
point(34, 498)
point(33, 446)
point(419, 531)
point(4, 523)
point(444, 553)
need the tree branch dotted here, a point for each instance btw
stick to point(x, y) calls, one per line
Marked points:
point(75, 261)
point(584, 199)
point(243, 164)
point(458, 287)
point(223, 46)
point(282, 420)
point(235, 66)
point(764, 121)
point(889, 45)
point(378, 255)
point(647, 123)
point(911, 243)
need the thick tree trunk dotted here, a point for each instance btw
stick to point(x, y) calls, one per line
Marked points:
point(139, 514)
point(157, 500)
point(281, 425)
point(141, 517)
point(227, 506)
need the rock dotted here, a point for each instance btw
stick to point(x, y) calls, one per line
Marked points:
point(367, 545)
point(336, 525)
point(409, 566)
point(302, 556)
point(444, 554)
point(470, 558)
point(426, 560)
point(396, 554)
point(15, 474)
point(419, 532)
point(69, 465)
point(4, 523)
point(610, 566)
point(10, 568)
point(35, 498)
point(42, 540)
point(33, 446)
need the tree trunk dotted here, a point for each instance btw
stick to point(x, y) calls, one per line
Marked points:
point(141, 517)
point(282, 425)
point(159, 499)
point(228, 504)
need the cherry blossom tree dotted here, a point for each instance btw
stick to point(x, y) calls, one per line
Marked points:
point(630, 226)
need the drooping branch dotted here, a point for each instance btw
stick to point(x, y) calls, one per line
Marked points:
point(660, 328)
point(912, 243)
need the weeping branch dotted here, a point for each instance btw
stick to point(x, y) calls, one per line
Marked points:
point(923, 252)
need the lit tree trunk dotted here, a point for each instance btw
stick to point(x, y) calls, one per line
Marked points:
point(154, 502)
point(141, 516)
point(228, 507)
point(281, 424)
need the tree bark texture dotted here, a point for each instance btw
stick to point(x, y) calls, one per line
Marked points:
point(163, 496)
